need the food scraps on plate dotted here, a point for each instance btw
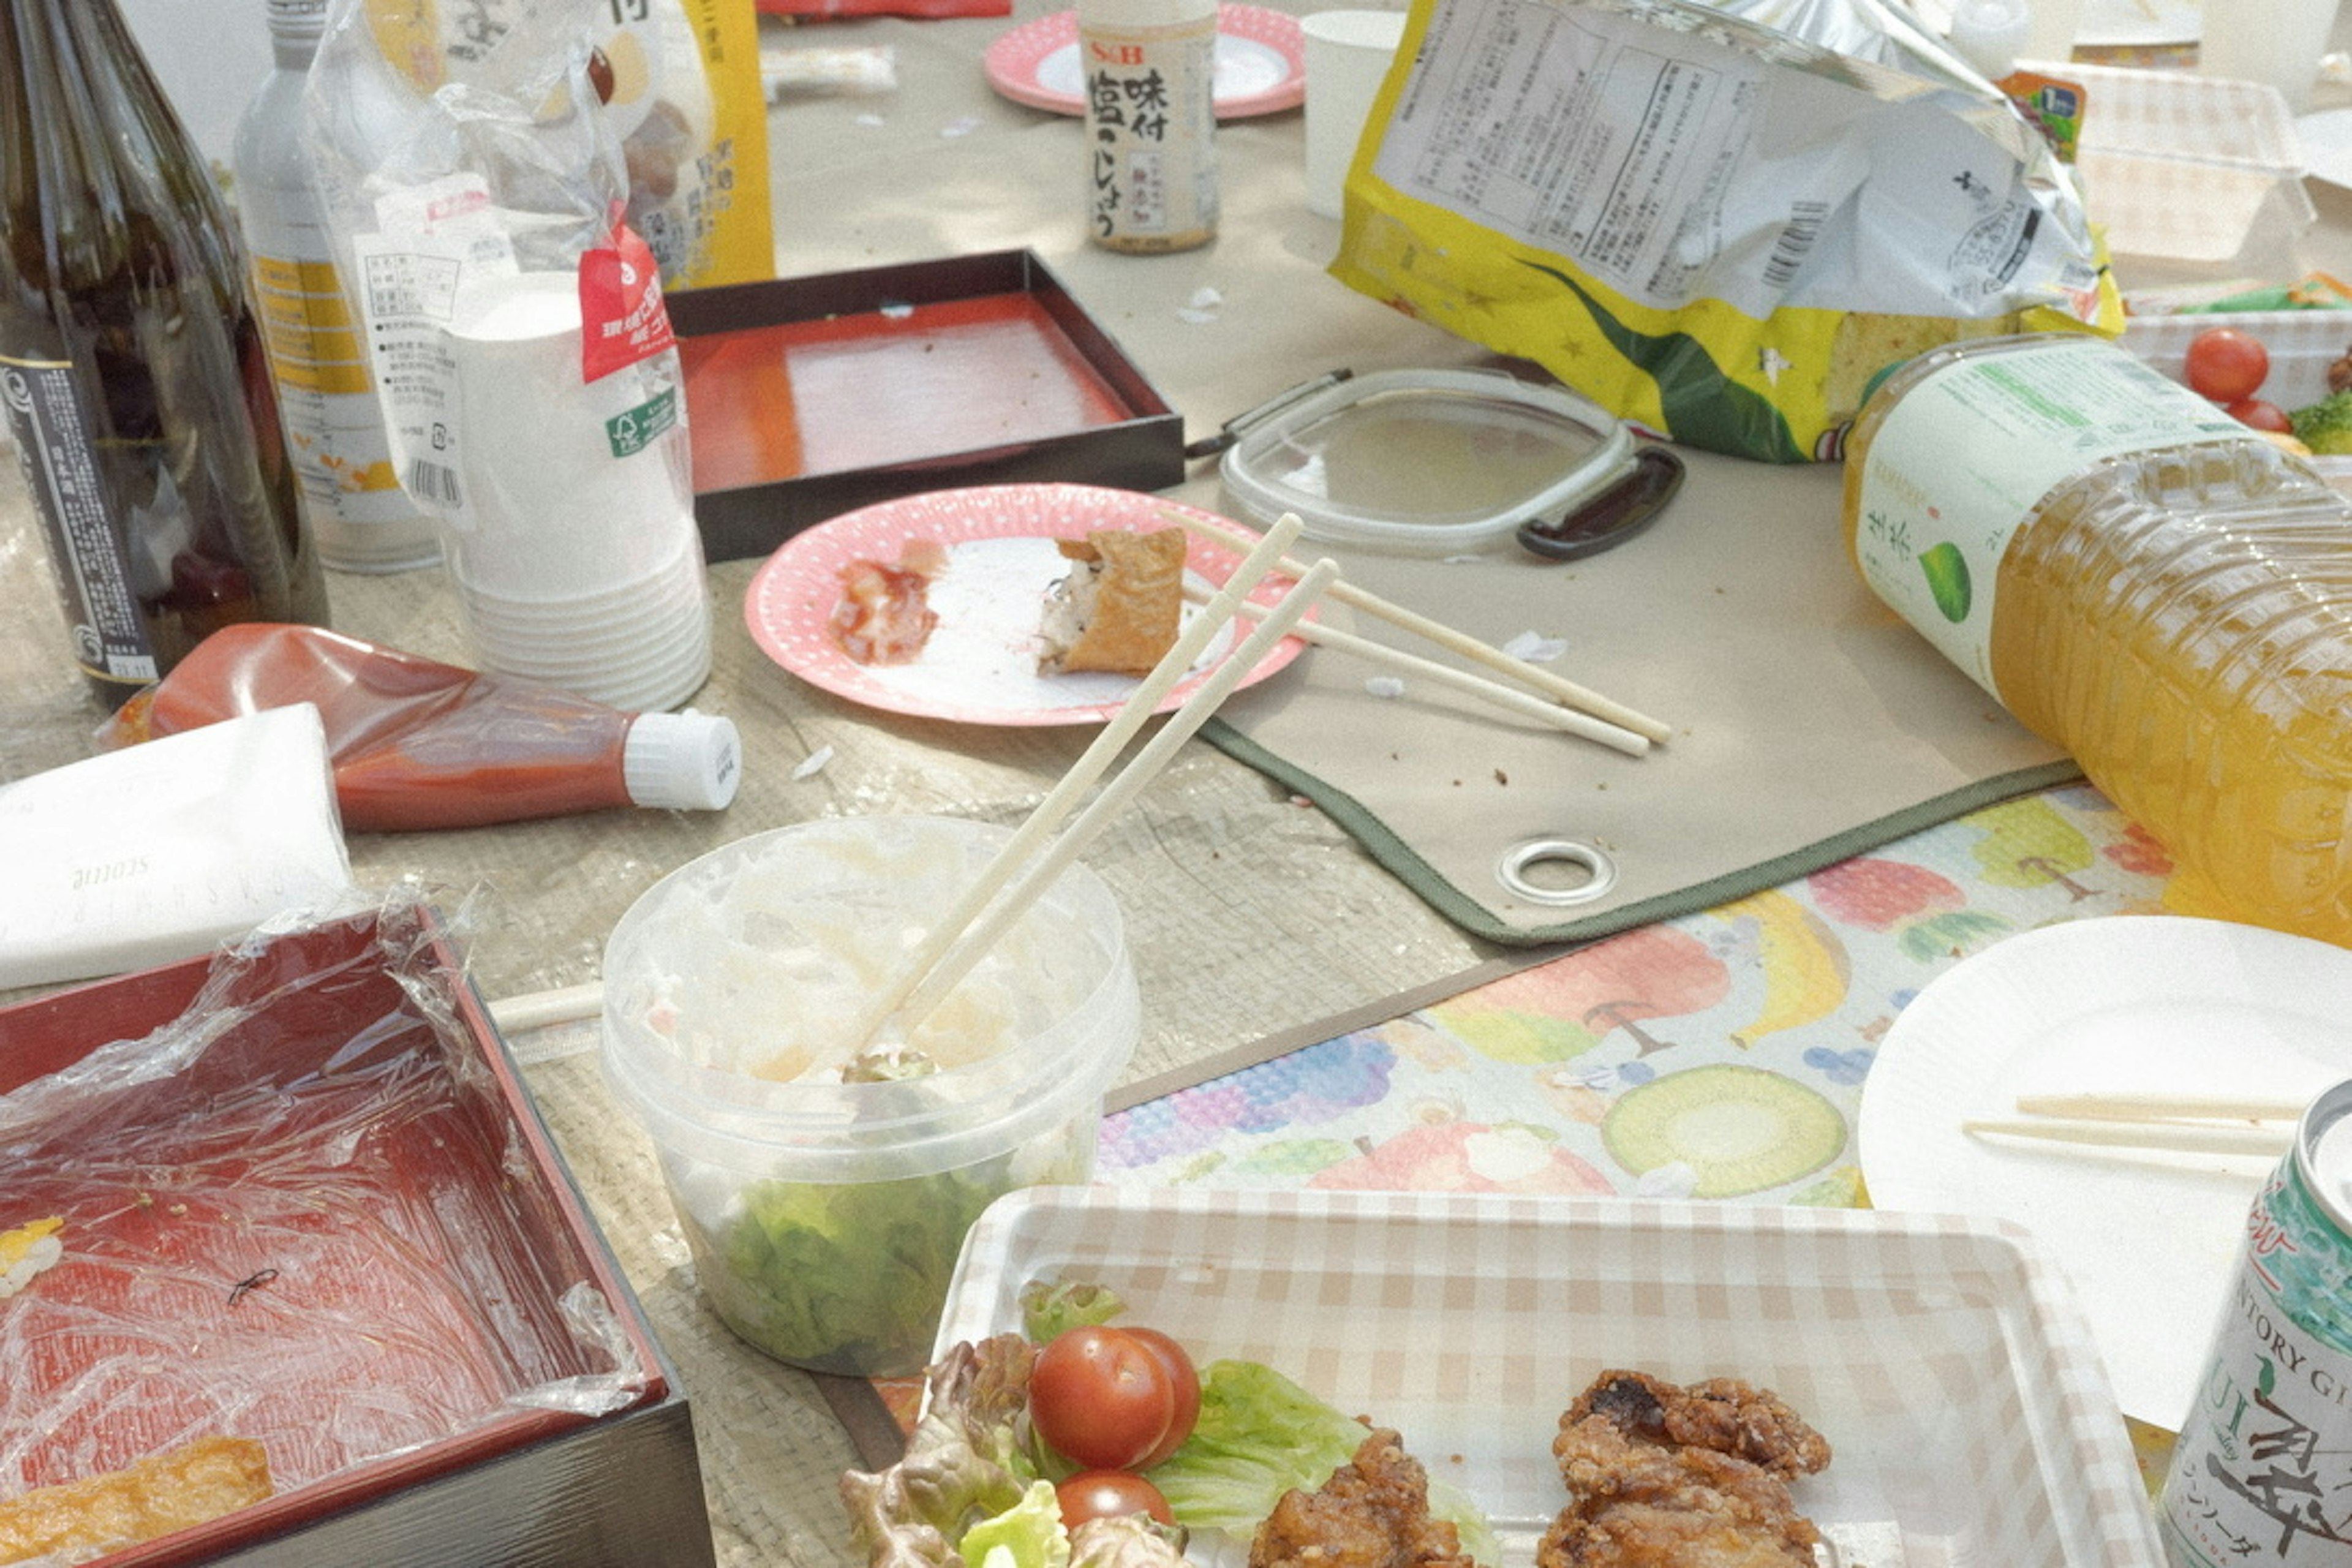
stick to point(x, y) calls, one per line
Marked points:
point(1117, 609)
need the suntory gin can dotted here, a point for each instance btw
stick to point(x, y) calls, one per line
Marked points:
point(2262, 1474)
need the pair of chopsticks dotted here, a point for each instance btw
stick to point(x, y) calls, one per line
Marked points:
point(1018, 874)
point(1591, 715)
point(2178, 1124)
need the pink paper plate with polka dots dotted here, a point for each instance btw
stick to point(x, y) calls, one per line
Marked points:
point(1259, 66)
point(980, 665)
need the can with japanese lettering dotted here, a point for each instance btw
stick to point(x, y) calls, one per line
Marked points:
point(1151, 122)
point(2263, 1471)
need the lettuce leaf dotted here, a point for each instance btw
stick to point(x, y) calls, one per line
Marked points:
point(848, 1275)
point(966, 1460)
point(1260, 1435)
point(1029, 1534)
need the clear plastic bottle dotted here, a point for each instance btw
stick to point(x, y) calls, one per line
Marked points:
point(1152, 120)
point(2142, 580)
point(131, 367)
point(326, 398)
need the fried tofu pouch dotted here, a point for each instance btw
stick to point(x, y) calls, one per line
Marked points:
point(1121, 605)
point(186, 1486)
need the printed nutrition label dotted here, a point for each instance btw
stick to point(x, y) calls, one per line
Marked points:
point(57, 445)
point(1555, 127)
point(1677, 166)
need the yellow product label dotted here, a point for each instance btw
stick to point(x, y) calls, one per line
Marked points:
point(692, 111)
point(408, 35)
point(305, 323)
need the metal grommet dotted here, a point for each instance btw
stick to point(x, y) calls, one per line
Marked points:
point(1601, 871)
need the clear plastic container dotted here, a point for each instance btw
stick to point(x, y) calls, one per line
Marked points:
point(824, 1216)
point(1426, 462)
point(2140, 580)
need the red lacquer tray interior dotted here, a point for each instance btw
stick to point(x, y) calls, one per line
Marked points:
point(313, 1210)
point(886, 386)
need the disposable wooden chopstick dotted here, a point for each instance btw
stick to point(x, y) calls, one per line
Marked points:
point(2183, 1137)
point(1580, 697)
point(2105, 1106)
point(1524, 703)
point(1192, 640)
point(1196, 711)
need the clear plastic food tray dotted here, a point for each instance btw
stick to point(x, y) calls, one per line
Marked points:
point(2302, 345)
point(2191, 169)
point(1941, 1357)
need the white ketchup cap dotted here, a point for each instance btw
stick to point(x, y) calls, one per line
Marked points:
point(683, 762)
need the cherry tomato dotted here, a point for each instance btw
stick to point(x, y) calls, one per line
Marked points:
point(1109, 1494)
point(2260, 414)
point(1184, 1380)
point(2226, 364)
point(1101, 1396)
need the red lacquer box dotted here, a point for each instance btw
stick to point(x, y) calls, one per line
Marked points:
point(812, 397)
point(305, 1201)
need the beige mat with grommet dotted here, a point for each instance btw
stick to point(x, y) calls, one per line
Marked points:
point(1808, 724)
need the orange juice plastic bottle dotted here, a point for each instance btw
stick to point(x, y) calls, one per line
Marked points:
point(2141, 580)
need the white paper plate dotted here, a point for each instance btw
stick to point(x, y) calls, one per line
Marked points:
point(2326, 140)
point(2125, 23)
point(2126, 1003)
point(1942, 1357)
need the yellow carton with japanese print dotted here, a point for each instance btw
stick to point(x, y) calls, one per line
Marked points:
point(1713, 227)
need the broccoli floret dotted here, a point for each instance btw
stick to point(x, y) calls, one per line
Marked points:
point(2327, 425)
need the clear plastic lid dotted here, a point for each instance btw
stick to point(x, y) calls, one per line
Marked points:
point(1426, 462)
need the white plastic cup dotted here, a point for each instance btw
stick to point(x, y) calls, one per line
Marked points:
point(1348, 57)
point(2276, 42)
point(824, 1218)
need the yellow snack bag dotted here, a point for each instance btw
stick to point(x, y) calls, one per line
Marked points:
point(1711, 228)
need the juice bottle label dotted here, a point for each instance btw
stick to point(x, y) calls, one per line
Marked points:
point(1963, 461)
point(53, 435)
point(326, 393)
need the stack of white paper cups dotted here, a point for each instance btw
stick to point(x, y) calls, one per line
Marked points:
point(576, 558)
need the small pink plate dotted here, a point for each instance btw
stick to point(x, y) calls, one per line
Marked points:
point(1261, 63)
point(979, 666)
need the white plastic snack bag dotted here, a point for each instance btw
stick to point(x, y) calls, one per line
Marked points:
point(154, 854)
point(1718, 223)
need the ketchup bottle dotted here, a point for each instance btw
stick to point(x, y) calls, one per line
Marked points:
point(420, 744)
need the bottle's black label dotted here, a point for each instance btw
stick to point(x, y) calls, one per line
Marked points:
point(53, 445)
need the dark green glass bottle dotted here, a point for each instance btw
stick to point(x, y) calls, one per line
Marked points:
point(131, 366)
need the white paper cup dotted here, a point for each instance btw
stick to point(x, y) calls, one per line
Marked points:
point(645, 645)
point(559, 500)
point(647, 685)
point(650, 601)
point(1348, 55)
point(2276, 42)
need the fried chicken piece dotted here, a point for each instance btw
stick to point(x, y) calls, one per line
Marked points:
point(1721, 1413)
point(1372, 1514)
point(1664, 1476)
